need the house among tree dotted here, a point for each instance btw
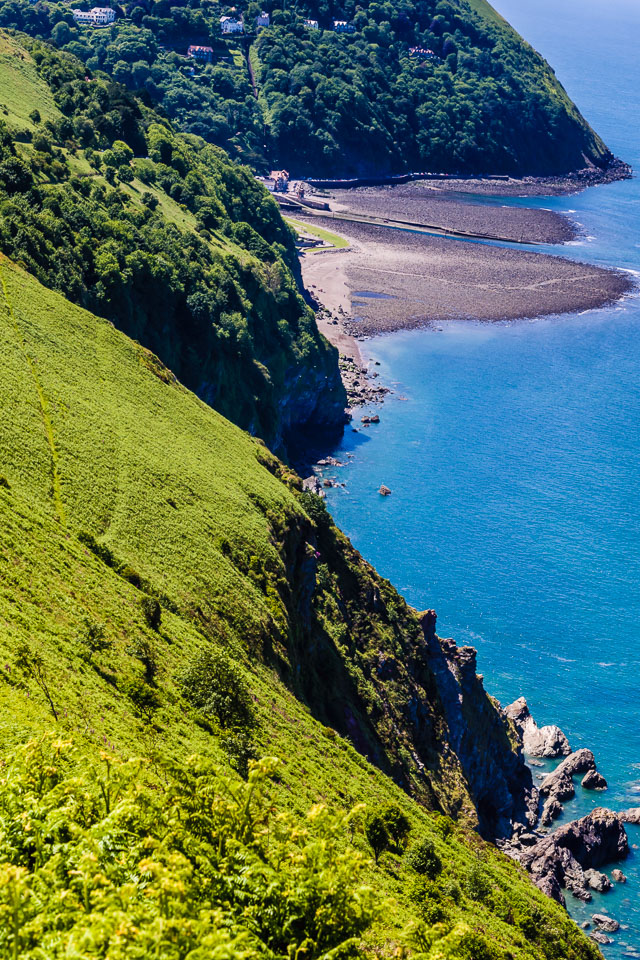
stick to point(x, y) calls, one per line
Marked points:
point(280, 180)
point(262, 20)
point(424, 53)
point(200, 53)
point(231, 25)
point(312, 24)
point(97, 16)
point(343, 26)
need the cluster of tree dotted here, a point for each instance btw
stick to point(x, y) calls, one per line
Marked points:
point(362, 103)
point(341, 103)
point(146, 51)
point(233, 327)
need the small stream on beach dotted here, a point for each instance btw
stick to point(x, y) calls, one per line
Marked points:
point(513, 456)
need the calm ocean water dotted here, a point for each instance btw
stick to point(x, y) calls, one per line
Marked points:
point(514, 462)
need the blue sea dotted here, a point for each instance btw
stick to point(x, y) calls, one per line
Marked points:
point(513, 456)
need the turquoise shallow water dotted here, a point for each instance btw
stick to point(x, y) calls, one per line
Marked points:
point(514, 462)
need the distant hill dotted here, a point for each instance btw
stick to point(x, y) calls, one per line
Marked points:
point(163, 235)
point(441, 85)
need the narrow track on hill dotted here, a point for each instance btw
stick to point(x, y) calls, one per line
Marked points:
point(56, 489)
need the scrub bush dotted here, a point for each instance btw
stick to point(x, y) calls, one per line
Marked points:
point(109, 865)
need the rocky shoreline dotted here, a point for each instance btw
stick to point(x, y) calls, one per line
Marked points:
point(558, 186)
point(568, 858)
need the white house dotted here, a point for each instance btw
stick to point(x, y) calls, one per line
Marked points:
point(312, 24)
point(97, 16)
point(343, 26)
point(102, 15)
point(230, 25)
point(262, 20)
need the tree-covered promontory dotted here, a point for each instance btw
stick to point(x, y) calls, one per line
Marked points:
point(327, 103)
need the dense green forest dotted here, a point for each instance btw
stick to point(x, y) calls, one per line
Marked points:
point(319, 102)
point(162, 234)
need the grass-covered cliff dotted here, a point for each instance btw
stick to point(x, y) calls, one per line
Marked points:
point(322, 103)
point(166, 592)
point(173, 607)
point(161, 234)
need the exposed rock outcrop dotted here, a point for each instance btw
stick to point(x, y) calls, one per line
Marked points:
point(561, 859)
point(481, 736)
point(558, 786)
point(537, 741)
point(551, 810)
point(618, 876)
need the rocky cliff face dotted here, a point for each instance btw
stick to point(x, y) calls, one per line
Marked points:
point(412, 703)
point(481, 737)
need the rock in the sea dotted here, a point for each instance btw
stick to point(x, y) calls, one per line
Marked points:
point(537, 741)
point(560, 860)
point(550, 811)
point(631, 815)
point(597, 881)
point(558, 785)
point(600, 937)
point(618, 876)
point(585, 925)
point(384, 491)
point(603, 922)
point(594, 781)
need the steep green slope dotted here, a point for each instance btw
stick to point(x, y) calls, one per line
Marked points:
point(165, 237)
point(322, 103)
point(120, 489)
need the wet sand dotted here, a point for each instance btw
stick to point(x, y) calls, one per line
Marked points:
point(325, 278)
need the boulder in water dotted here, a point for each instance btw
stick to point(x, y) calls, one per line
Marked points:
point(597, 881)
point(594, 781)
point(603, 922)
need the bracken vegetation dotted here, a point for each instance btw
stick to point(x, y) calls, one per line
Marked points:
point(270, 641)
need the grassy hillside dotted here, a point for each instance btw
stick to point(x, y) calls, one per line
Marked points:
point(164, 236)
point(321, 103)
point(22, 87)
point(119, 488)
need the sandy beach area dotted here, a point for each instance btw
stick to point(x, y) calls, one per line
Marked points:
point(391, 279)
